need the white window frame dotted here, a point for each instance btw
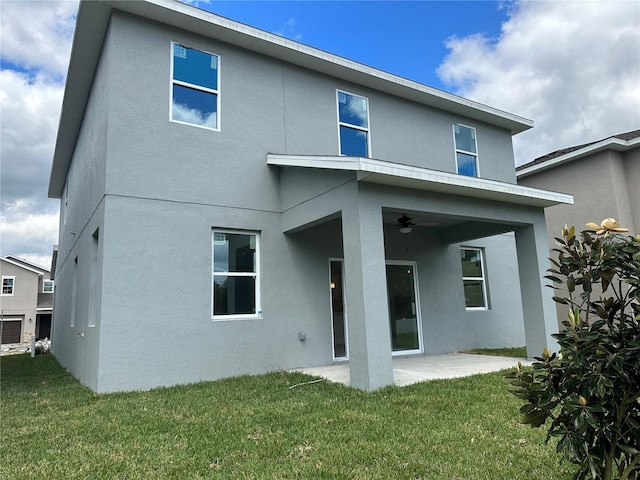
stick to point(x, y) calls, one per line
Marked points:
point(349, 125)
point(195, 87)
point(465, 152)
point(256, 275)
point(416, 288)
point(44, 286)
point(13, 285)
point(483, 278)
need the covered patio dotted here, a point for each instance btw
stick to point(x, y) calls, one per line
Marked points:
point(366, 196)
point(414, 369)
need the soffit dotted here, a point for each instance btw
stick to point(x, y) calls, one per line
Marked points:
point(611, 143)
point(406, 176)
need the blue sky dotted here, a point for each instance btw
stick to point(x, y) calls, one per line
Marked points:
point(573, 67)
point(403, 38)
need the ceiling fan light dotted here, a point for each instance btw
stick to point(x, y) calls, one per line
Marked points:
point(405, 229)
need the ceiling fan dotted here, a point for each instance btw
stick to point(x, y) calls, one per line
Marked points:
point(405, 225)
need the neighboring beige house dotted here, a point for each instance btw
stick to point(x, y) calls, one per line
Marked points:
point(602, 176)
point(26, 300)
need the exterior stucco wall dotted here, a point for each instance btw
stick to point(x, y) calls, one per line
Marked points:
point(631, 161)
point(593, 182)
point(603, 185)
point(265, 106)
point(156, 297)
point(154, 189)
point(77, 347)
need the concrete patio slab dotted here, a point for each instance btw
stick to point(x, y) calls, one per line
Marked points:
point(421, 368)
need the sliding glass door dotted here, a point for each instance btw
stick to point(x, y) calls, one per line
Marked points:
point(404, 312)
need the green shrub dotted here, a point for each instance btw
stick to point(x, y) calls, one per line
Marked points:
point(590, 390)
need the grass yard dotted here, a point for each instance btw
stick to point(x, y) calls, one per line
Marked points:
point(259, 428)
point(518, 352)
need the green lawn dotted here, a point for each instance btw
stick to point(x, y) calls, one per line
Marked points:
point(259, 428)
point(518, 352)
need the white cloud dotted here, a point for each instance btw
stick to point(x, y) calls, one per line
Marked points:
point(30, 112)
point(572, 67)
point(27, 232)
point(36, 41)
point(37, 34)
point(289, 30)
point(196, 3)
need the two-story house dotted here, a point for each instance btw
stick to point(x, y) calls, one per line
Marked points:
point(235, 202)
point(26, 300)
point(603, 178)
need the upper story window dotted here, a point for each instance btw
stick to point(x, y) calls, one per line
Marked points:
point(466, 150)
point(8, 284)
point(353, 124)
point(236, 274)
point(473, 278)
point(194, 87)
point(47, 286)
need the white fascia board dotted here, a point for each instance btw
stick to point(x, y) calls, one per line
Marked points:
point(607, 144)
point(18, 264)
point(406, 176)
point(210, 24)
point(93, 18)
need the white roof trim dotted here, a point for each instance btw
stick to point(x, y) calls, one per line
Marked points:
point(612, 143)
point(18, 264)
point(92, 24)
point(388, 173)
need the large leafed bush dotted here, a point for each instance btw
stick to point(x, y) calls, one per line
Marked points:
point(588, 394)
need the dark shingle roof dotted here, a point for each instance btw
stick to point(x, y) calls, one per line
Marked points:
point(558, 153)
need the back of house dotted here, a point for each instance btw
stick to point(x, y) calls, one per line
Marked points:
point(234, 202)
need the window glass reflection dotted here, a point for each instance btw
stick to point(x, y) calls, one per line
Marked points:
point(467, 165)
point(234, 295)
point(234, 252)
point(353, 110)
point(465, 138)
point(353, 142)
point(194, 106)
point(473, 293)
point(195, 67)
point(471, 263)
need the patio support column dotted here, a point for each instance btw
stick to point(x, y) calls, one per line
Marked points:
point(366, 296)
point(540, 317)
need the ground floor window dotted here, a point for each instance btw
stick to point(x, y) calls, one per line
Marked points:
point(236, 274)
point(473, 278)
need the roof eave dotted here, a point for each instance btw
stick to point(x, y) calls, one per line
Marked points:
point(38, 272)
point(93, 18)
point(612, 143)
point(91, 26)
point(407, 176)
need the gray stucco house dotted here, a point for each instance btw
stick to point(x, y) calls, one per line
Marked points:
point(236, 202)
